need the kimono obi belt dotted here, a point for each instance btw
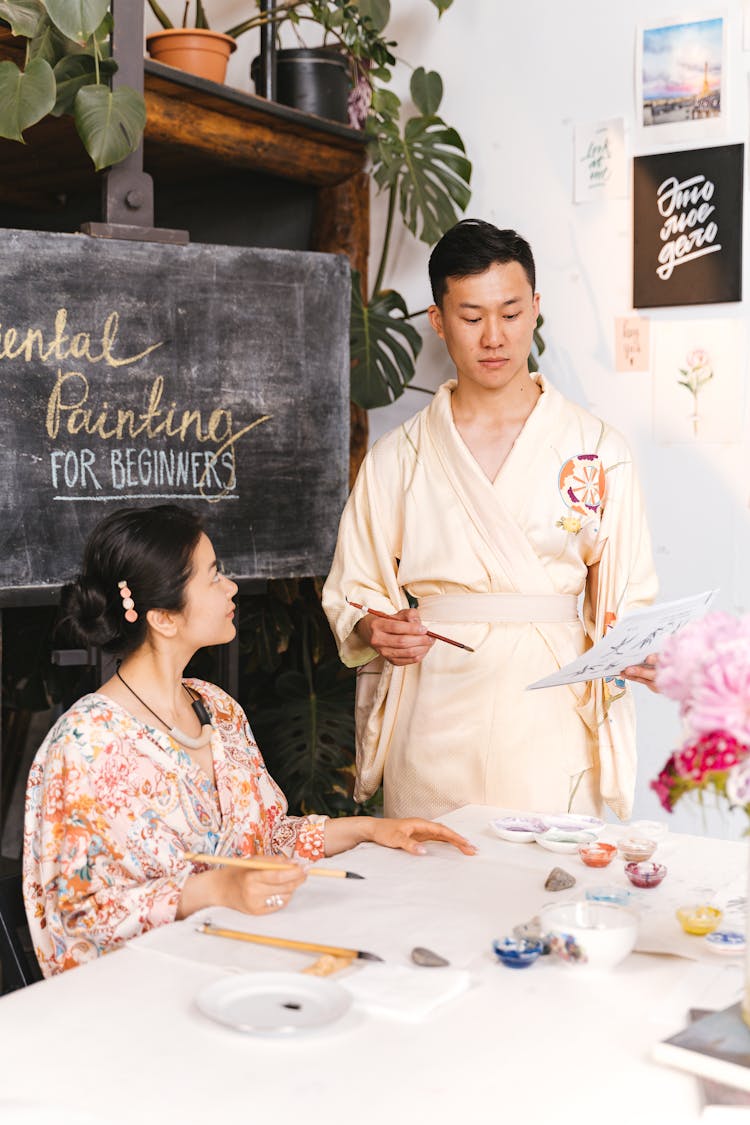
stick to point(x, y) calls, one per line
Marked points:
point(493, 609)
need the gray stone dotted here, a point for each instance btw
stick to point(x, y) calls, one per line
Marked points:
point(559, 880)
point(427, 959)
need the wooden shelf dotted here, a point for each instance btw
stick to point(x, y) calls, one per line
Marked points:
point(194, 127)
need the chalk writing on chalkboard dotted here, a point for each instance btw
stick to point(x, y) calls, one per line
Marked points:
point(215, 376)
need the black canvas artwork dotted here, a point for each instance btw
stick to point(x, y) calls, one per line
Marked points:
point(687, 222)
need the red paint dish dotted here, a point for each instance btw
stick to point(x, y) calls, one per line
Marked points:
point(597, 854)
point(645, 875)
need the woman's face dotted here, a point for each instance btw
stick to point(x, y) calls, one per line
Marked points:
point(207, 617)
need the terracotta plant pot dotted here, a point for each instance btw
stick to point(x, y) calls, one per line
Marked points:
point(196, 50)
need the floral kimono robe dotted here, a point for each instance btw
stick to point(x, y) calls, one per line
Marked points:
point(112, 807)
point(459, 728)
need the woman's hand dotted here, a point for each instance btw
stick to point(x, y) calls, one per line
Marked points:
point(409, 834)
point(644, 673)
point(252, 892)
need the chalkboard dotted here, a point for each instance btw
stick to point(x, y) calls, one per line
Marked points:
point(137, 374)
point(687, 223)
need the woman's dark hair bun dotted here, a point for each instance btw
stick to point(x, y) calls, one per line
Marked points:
point(84, 617)
point(151, 550)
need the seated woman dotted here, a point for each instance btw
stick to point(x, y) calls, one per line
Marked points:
point(151, 767)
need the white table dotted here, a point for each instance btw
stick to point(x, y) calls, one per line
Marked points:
point(122, 1039)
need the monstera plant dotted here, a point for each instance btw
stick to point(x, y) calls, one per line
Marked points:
point(67, 71)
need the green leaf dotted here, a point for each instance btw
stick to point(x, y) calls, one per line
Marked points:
point(377, 11)
point(50, 44)
point(78, 19)
point(434, 185)
point(160, 14)
point(442, 5)
point(72, 74)
point(23, 16)
point(25, 96)
point(201, 21)
point(307, 739)
point(110, 124)
point(426, 90)
point(384, 347)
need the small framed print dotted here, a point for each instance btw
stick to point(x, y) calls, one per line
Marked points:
point(687, 227)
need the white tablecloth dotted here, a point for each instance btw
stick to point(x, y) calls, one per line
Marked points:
point(121, 1038)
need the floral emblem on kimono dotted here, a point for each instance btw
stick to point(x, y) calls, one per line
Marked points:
point(582, 484)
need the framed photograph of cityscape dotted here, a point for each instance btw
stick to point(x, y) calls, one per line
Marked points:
point(687, 227)
point(681, 80)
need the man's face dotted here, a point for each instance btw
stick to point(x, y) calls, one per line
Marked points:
point(487, 321)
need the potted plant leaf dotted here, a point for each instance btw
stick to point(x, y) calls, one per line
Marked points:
point(67, 71)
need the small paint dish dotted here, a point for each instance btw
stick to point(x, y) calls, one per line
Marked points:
point(699, 920)
point(517, 829)
point(616, 896)
point(645, 875)
point(558, 840)
point(636, 849)
point(597, 854)
point(517, 954)
point(726, 942)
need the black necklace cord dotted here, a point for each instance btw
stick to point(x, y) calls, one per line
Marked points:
point(196, 702)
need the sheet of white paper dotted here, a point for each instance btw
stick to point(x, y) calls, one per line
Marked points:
point(629, 641)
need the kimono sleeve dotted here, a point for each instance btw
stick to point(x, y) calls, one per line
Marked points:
point(626, 580)
point(364, 564)
point(98, 870)
point(302, 837)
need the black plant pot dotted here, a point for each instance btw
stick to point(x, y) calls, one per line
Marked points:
point(315, 79)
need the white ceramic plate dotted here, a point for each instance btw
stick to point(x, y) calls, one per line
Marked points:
point(280, 1005)
point(572, 822)
point(517, 829)
point(568, 843)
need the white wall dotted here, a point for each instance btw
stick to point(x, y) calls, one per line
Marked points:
point(518, 76)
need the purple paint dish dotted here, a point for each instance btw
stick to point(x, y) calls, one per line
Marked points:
point(645, 875)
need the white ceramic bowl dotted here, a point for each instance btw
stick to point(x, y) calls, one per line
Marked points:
point(517, 829)
point(596, 934)
point(572, 822)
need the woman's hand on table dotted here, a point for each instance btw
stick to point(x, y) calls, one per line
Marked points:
point(644, 673)
point(410, 834)
point(252, 892)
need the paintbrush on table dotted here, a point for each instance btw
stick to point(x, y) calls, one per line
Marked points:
point(287, 943)
point(264, 863)
point(391, 616)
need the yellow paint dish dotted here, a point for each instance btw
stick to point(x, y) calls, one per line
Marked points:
point(699, 920)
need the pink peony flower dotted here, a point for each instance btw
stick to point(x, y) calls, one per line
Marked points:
point(683, 659)
point(721, 700)
point(698, 357)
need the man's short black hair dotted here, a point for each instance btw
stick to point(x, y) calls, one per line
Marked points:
point(471, 247)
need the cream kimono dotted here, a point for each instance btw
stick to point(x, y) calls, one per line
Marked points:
point(499, 566)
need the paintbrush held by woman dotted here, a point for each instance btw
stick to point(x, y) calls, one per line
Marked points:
point(140, 778)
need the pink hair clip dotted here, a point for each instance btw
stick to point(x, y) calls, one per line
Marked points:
point(127, 602)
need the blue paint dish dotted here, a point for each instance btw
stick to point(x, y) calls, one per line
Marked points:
point(517, 954)
point(618, 896)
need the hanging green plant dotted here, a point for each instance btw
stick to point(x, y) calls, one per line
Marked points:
point(424, 169)
point(67, 71)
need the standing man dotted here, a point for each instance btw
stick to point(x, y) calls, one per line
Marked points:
point(495, 508)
